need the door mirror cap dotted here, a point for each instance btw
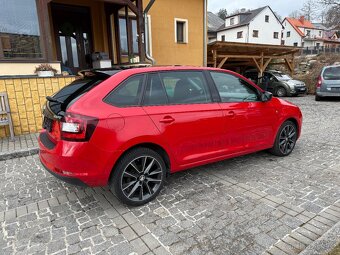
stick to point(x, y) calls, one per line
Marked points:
point(266, 96)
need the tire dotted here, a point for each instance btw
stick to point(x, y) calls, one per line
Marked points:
point(285, 139)
point(317, 98)
point(281, 92)
point(138, 176)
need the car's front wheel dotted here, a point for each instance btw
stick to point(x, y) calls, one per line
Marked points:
point(281, 92)
point(285, 139)
point(138, 176)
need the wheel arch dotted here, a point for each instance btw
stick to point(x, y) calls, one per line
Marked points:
point(153, 146)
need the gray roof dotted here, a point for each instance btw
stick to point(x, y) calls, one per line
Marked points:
point(320, 26)
point(245, 18)
point(214, 22)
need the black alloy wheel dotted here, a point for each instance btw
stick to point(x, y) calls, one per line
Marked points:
point(139, 176)
point(285, 139)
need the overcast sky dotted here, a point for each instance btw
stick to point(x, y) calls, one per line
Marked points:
point(282, 7)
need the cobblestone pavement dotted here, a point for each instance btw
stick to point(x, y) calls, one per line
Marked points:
point(256, 204)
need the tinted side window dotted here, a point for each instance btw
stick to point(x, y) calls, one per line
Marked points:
point(186, 87)
point(234, 89)
point(128, 93)
point(155, 92)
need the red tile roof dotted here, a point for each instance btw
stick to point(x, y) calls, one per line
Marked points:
point(296, 23)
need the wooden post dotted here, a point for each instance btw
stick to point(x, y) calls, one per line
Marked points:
point(262, 60)
point(215, 58)
point(222, 62)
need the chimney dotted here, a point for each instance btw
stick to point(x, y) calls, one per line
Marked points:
point(243, 10)
point(302, 19)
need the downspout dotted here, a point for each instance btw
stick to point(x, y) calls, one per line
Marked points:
point(205, 34)
point(146, 32)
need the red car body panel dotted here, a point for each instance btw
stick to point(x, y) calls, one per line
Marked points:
point(191, 135)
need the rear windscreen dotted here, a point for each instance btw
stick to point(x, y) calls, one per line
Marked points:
point(71, 92)
point(332, 73)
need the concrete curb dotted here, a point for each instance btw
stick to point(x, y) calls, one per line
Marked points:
point(19, 153)
point(325, 243)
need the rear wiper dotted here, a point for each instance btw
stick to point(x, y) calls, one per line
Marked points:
point(51, 99)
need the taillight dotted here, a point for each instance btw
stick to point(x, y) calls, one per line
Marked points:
point(76, 127)
point(318, 84)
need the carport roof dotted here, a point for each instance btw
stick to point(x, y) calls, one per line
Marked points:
point(246, 49)
point(226, 54)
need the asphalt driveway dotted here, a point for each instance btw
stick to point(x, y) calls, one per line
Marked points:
point(256, 204)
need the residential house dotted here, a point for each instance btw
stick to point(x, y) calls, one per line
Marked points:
point(214, 24)
point(302, 33)
point(65, 34)
point(259, 26)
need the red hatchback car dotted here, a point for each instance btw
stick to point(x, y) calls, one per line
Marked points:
point(130, 128)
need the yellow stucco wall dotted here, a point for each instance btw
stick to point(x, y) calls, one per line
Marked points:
point(164, 48)
point(23, 68)
point(26, 97)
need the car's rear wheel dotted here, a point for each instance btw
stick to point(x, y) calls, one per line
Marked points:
point(138, 176)
point(281, 92)
point(285, 139)
point(317, 98)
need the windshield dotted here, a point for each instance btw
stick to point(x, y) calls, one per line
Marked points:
point(282, 76)
point(332, 73)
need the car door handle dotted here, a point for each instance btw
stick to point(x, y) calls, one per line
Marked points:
point(167, 120)
point(231, 114)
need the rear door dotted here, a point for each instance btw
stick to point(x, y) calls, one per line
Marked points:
point(249, 124)
point(331, 79)
point(180, 105)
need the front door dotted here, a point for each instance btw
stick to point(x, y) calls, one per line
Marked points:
point(249, 123)
point(73, 36)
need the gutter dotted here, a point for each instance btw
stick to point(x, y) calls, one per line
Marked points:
point(205, 34)
point(146, 32)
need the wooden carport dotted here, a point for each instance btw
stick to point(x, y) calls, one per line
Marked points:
point(231, 55)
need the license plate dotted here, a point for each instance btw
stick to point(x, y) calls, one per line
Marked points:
point(47, 124)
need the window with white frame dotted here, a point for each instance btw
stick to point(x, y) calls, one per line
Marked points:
point(223, 38)
point(232, 21)
point(240, 34)
point(276, 35)
point(181, 30)
point(266, 18)
point(288, 34)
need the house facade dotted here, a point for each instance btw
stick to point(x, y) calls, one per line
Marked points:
point(302, 33)
point(67, 33)
point(259, 26)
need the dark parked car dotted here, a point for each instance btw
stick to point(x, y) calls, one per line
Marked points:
point(279, 83)
point(130, 128)
point(328, 84)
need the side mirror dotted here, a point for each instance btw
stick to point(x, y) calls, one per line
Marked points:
point(266, 96)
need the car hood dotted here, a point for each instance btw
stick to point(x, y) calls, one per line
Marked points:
point(296, 82)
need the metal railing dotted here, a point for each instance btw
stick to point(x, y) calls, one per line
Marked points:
point(321, 49)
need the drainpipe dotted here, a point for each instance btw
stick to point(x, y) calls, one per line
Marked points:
point(205, 34)
point(146, 32)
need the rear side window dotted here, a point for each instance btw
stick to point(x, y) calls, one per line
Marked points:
point(185, 87)
point(127, 93)
point(155, 93)
point(234, 89)
point(332, 73)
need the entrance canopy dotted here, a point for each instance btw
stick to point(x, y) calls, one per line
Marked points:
point(236, 56)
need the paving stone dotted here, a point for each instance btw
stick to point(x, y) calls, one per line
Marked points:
point(276, 251)
point(150, 241)
point(129, 233)
point(299, 246)
point(301, 238)
point(139, 228)
point(139, 246)
point(287, 248)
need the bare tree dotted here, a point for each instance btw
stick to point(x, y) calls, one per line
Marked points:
point(309, 9)
point(335, 3)
point(295, 14)
point(222, 13)
point(333, 16)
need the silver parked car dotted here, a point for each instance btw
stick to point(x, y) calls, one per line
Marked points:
point(328, 84)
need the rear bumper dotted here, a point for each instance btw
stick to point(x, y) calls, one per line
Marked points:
point(79, 163)
point(70, 180)
point(328, 94)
